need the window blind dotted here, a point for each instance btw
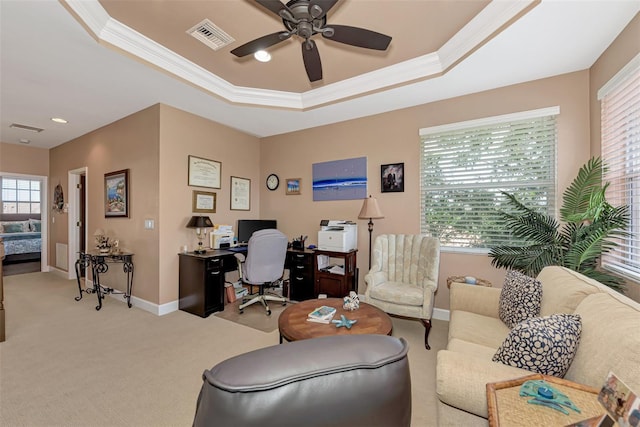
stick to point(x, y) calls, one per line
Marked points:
point(620, 117)
point(464, 168)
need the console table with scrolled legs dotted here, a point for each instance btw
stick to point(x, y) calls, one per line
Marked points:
point(99, 264)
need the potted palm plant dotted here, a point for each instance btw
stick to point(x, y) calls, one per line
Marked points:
point(588, 228)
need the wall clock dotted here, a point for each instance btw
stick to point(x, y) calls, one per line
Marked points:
point(273, 181)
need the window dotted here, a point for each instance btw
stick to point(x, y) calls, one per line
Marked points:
point(620, 117)
point(465, 166)
point(20, 196)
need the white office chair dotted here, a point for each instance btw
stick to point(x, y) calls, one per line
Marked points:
point(263, 266)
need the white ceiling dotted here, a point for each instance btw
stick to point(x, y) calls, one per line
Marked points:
point(51, 66)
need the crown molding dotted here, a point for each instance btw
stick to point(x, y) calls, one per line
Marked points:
point(496, 16)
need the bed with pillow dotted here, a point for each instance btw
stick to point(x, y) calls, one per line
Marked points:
point(22, 237)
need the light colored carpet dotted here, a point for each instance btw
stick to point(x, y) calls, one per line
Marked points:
point(254, 316)
point(66, 364)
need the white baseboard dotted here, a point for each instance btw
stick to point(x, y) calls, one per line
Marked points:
point(441, 314)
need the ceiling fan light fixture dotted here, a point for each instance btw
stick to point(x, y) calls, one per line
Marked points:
point(262, 56)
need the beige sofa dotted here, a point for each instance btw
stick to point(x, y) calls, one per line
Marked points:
point(610, 341)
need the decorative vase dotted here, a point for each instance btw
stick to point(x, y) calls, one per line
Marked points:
point(104, 250)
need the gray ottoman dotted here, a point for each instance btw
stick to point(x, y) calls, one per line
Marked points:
point(347, 380)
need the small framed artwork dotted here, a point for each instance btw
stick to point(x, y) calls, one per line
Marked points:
point(240, 194)
point(204, 172)
point(293, 186)
point(204, 201)
point(392, 178)
point(116, 194)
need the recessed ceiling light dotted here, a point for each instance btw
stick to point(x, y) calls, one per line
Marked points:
point(262, 56)
point(58, 120)
point(24, 141)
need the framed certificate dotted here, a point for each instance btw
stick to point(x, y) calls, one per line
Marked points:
point(240, 194)
point(204, 202)
point(204, 172)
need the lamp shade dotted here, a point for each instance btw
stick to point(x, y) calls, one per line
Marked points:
point(199, 222)
point(370, 209)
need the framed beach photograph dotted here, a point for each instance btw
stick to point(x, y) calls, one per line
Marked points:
point(116, 194)
point(204, 202)
point(204, 172)
point(240, 194)
point(392, 178)
point(293, 186)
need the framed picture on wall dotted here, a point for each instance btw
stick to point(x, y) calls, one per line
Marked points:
point(204, 202)
point(392, 178)
point(240, 194)
point(116, 194)
point(204, 172)
point(293, 186)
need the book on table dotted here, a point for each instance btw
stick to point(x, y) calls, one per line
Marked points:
point(322, 314)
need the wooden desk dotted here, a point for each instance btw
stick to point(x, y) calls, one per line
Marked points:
point(507, 409)
point(201, 280)
point(293, 324)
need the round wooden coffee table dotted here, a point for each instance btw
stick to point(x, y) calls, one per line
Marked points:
point(293, 324)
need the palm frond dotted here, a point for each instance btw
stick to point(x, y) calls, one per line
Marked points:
point(577, 196)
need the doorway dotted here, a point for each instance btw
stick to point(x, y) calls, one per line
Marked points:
point(78, 213)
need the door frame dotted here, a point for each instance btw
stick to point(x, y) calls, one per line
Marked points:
point(74, 216)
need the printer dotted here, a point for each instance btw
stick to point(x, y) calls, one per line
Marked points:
point(337, 236)
point(221, 236)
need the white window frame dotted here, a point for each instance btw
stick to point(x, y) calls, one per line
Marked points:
point(620, 151)
point(17, 198)
point(483, 124)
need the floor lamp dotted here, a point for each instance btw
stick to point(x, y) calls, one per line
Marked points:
point(371, 211)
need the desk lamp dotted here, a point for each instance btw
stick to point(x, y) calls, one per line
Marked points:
point(200, 223)
point(370, 210)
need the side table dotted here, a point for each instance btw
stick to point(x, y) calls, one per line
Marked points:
point(507, 408)
point(99, 263)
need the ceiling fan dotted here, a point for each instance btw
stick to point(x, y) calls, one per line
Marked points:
point(305, 18)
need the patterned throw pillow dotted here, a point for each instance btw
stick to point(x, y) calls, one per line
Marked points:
point(545, 345)
point(519, 299)
point(16, 227)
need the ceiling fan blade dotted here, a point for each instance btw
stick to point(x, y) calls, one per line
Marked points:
point(277, 7)
point(319, 8)
point(311, 58)
point(260, 43)
point(358, 37)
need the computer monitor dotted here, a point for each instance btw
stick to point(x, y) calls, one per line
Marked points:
point(246, 227)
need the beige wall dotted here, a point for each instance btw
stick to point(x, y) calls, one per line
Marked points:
point(159, 138)
point(25, 160)
point(183, 134)
point(130, 143)
point(393, 137)
point(624, 48)
point(154, 145)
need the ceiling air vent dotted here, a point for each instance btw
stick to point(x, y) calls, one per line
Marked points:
point(210, 34)
point(25, 127)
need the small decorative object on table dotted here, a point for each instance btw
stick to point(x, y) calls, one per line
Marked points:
point(470, 280)
point(344, 322)
point(544, 394)
point(102, 242)
point(351, 302)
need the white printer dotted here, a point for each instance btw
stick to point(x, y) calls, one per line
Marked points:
point(221, 236)
point(337, 236)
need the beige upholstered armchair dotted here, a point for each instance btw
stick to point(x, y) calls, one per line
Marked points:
point(404, 276)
